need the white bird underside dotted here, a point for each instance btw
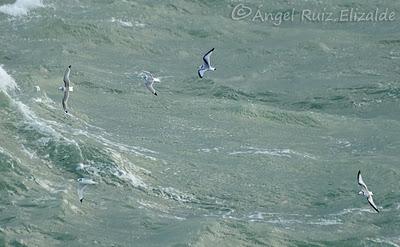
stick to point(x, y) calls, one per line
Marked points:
point(62, 88)
point(365, 192)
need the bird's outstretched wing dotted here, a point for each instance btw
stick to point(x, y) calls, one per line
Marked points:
point(372, 203)
point(207, 57)
point(82, 184)
point(66, 77)
point(361, 181)
point(81, 188)
point(65, 100)
point(201, 72)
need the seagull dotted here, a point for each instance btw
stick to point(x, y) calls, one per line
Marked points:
point(206, 66)
point(82, 184)
point(150, 79)
point(66, 88)
point(365, 192)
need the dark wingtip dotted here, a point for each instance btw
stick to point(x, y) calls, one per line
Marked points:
point(212, 49)
point(376, 209)
point(155, 94)
point(69, 66)
point(81, 200)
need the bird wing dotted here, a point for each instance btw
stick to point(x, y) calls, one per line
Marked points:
point(201, 72)
point(81, 188)
point(147, 76)
point(65, 99)
point(372, 203)
point(66, 77)
point(207, 57)
point(149, 86)
point(361, 181)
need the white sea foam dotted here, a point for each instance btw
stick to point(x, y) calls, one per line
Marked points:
point(45, 184)
point(29, 153)
point(121, 22)
point(352, 211)
point(257, 216)
point(209, 150)
point(138, 151)
point(326, 222)
point(386, 241)
point(135, 181)
point(20, 7)
point(153, 205)
point(127, 23)
point(7, 83)
point(46, 101)
point(174, 194)
point(139, 24)
point(287, 153)
point(5, 152)
point(173, 217)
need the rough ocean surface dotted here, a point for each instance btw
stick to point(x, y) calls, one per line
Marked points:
point(262, 152)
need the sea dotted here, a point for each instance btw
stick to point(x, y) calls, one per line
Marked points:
point(264, 151)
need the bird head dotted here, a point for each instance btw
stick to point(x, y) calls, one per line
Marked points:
point(143, 75)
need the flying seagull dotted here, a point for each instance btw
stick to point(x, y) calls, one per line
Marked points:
point(365, 192)
point(149, 81)
point(66, 88)
point(206, 66)
point(82, 184)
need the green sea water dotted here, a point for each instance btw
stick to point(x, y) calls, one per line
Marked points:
point(262, 152)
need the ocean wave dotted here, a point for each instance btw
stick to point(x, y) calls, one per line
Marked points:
point(254, 111)
point(381, 241)
point(283, 219)
point(101, 157)
point(44, 100)
point(174, 194)
point(7, 158)
point(352, 100)
point(48, 140)
point(7, 83)
point(20, 7)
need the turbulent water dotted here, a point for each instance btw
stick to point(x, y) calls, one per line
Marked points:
point(262, 152)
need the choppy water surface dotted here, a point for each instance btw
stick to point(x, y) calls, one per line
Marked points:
point(262, 152)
